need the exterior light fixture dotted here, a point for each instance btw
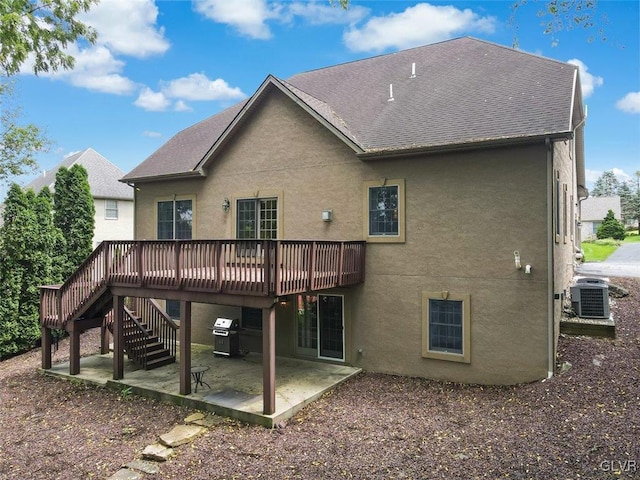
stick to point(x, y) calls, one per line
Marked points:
point(226, 205)
point(326, 215)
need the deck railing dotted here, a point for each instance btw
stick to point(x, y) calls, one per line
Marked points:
point(243, 267)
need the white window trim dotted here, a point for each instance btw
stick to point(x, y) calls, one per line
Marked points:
point(107, 209)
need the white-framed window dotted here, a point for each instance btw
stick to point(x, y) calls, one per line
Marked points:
point(111, 209)
point(257, 219)
point(384, 211)
point(446, 326)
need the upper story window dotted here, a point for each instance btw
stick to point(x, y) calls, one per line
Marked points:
point(175, 219)
point(257, 219)
point(111, 209)
point(384, 212)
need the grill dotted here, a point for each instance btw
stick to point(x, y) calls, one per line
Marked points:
point(226, 338)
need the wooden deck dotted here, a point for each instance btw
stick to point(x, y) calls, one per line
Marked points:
point(267, 268)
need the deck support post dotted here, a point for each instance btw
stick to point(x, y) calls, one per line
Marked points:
point(104, 339)
point(185, 348)
point(118, 337)
point(269, 360)
point(74, 348)
point(47, 341)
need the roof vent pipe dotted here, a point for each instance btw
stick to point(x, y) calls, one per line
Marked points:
point(390, 99)
point(413, 70)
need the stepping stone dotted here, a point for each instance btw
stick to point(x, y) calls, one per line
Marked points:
point(204, 420)
point(181, 434)
point(157, 452)
point(144, 466)
point(125, 474)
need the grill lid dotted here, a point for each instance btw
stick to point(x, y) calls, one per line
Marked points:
point(227, 323)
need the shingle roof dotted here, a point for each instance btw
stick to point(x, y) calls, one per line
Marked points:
point(103, 176)
point(465, 91)
point(596, 208)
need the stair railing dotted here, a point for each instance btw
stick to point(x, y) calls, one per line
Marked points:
point(159, 322)
point(135, 338)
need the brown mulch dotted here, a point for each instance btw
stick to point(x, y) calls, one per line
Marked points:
point(584, 423)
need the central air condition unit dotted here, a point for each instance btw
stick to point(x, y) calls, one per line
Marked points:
point(590, 298)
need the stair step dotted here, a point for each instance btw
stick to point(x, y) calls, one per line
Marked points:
point(160, 362)
point(156, 354)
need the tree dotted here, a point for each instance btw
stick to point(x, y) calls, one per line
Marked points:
point(606, 186)
point(611, 228)
point(74, 215)
point(19, 144)
point(43, 28)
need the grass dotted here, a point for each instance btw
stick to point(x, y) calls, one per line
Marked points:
point(599, 250)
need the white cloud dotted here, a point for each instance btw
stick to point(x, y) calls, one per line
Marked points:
point(198, 87)
point(128, 27)
point(592, 176)
point(181, 106)
point(418, 25)
point(248, 17)
point(630, 103)
point(152, 101)
point(589, 82)
point(323, 13)
point(150, 134)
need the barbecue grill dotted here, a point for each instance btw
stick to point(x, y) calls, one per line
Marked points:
point(226, 338)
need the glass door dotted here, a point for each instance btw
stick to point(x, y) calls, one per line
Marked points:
point(320, 326)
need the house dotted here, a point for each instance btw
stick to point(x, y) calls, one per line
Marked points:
point(593, 211)
point(113, 200)
point(412, 213)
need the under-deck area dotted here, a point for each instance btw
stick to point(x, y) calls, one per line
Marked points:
point(234, 384)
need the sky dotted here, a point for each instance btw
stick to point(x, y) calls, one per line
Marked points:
point(161, 66)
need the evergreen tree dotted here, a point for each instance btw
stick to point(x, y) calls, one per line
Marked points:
point(22, 269)
point(606, 186)
point(74, 213)
point(627, 198)
point(611, 228)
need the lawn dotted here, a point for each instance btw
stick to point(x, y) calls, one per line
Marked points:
point(599, 250)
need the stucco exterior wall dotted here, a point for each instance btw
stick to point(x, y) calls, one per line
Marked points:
point(113, 229)
point(466, 214)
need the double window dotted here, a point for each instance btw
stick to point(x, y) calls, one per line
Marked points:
point(446, 326)
point(384, 211)
point(175, 219)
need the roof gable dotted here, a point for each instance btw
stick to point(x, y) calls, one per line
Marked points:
point(456, 93)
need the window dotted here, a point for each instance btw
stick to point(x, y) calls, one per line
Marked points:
point(172, 308)
point(252, 318)
point(175, 219)
point(257, 219)
point(384, 211)
point(446, 326)
point(558, 207)
point(111, 209)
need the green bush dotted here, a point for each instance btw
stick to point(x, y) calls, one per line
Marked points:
point(611, 228)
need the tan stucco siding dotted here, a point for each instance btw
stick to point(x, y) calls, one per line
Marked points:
point(466, 213)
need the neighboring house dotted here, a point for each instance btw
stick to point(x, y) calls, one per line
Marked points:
point(459, 165)
point(113, 200)
point(592, 213)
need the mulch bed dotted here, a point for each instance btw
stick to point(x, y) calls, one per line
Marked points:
point(583, 423)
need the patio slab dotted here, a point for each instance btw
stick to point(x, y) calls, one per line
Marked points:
point(235, 383)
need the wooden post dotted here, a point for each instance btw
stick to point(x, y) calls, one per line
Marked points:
point(74, 347)
point(185, 348)
point(118, 337)
point(104, 338)
point(269, 360)
point(45, 349)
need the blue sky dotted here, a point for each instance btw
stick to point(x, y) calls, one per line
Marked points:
point(161, 66)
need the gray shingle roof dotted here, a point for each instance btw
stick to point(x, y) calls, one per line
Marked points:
point(596, 208)
point(465, 91)
point(103, 176)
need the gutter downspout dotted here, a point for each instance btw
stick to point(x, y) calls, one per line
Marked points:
point(550, 272)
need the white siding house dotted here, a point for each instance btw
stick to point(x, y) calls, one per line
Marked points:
point(593, 211)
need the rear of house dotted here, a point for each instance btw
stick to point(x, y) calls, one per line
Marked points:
point(438, 188)
point(459, 163)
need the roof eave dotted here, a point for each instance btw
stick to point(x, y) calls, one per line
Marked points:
point(163, 177)
point(462, 146)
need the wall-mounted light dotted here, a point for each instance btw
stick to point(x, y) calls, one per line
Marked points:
point(326, 215)
point(226, 205)
point(283, 301)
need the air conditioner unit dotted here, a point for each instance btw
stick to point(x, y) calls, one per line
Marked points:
point(590, 298)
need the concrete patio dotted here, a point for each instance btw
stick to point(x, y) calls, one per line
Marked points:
point(235, 384)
